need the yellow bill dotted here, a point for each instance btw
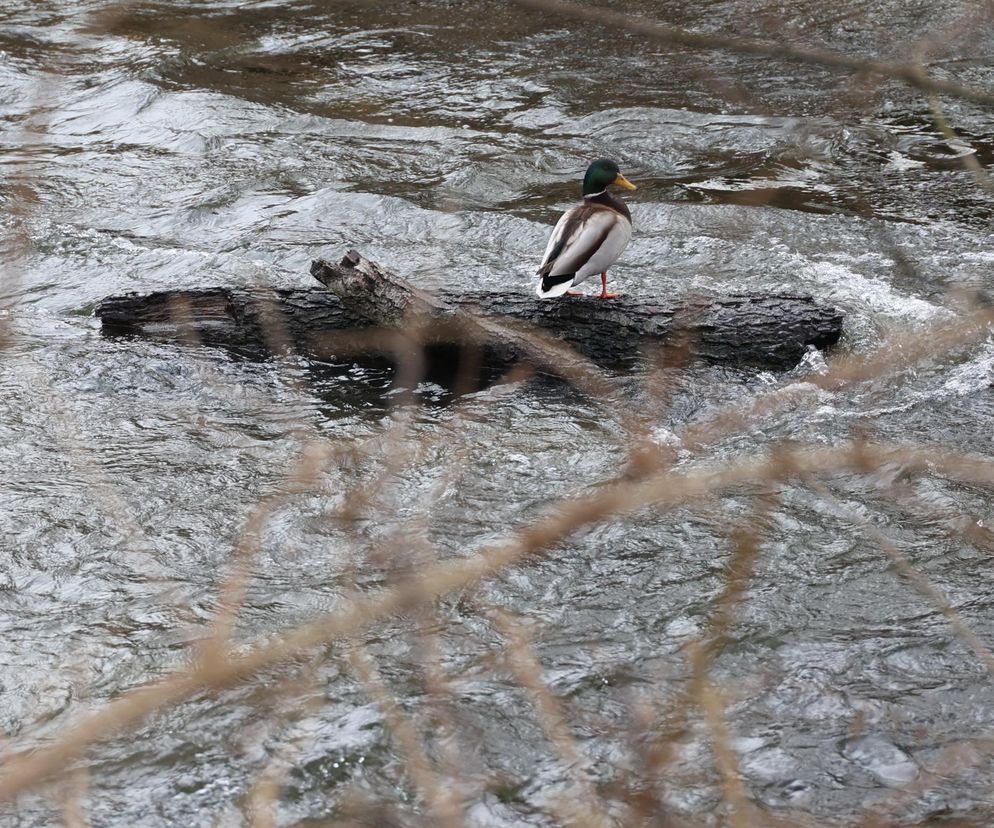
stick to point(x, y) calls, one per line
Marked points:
point(621, 181)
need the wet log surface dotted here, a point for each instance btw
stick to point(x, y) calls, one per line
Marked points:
point(771, 331)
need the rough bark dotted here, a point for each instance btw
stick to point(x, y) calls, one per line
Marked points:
point(769, 331)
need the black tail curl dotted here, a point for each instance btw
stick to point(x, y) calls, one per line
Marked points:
point(549, 282)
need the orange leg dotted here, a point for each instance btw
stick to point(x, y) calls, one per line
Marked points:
point(574, 293)
point(604, 293)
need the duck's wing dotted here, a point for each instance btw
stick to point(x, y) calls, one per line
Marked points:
point(587, 239)
point(565, 228)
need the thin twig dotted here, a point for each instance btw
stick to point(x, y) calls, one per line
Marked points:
point(909, 73)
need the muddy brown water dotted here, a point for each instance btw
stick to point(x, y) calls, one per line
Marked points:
point(156, 145)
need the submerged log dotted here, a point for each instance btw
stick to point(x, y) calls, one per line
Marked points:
point(771, 331)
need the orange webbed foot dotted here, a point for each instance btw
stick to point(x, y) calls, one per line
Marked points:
point(604, 293)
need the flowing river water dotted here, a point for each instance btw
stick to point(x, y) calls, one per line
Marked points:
point(157, 145)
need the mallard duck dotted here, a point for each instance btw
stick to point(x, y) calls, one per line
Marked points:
point(590, 236)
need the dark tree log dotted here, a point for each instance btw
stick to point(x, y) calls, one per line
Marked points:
point(770, 331)
point(767, 331)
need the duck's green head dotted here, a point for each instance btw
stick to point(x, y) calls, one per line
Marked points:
point(601, 174)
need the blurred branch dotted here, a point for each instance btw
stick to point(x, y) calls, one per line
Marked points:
point(904, 567)
point(73, 794)
point(665, 491)
point(969, 159)
point(440, 797)
point(712, 702)
point(896, 354)
point(588, 809)
point(909, 73)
